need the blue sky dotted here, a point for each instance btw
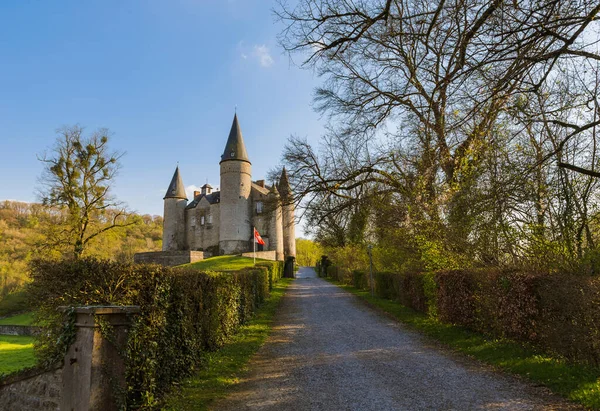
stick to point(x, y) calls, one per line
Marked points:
point(163, 76)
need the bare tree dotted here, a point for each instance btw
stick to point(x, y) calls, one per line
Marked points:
point(78, 174)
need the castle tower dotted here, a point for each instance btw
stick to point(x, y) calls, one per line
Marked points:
point(236, 180)
point(288, 214)
point(276, 224)
point(174, 215)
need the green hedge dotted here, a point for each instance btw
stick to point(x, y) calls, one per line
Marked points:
point(275, 269)
point(559, 313)
point(184, 313)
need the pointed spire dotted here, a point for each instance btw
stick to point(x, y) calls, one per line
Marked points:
point(274, 190)
point(235, 148)
point(176, 188)
point(284, 185)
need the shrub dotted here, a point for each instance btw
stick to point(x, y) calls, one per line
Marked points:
point(456, 297)
point(184, 313)
point(275, 269)
point(360, 279)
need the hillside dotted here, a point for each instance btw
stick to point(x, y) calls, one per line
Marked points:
point(25, 227)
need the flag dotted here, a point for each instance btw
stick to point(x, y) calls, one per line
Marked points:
point(258, 238)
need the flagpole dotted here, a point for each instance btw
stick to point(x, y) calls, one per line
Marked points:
point(254, 242)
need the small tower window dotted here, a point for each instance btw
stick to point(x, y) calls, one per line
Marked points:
point(202, 220)
point(259, 207)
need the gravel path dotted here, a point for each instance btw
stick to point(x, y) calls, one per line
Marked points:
point(329, 352)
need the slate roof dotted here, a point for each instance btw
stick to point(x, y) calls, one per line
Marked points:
point(284, 185)
point(212, 198)
point(235, 148)
point(176, 188)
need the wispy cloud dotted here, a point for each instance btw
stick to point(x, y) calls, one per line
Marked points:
point(261, 52)
point(189, 191)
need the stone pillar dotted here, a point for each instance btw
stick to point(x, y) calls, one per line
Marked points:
point(94, 369)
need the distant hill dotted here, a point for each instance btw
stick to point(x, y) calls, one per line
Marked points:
point(25, 227)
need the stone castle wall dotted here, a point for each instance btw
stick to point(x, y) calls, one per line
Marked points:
point(170, 258)
point(265, 255)
point(32, 390)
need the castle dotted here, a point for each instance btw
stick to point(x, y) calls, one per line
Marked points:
point(220, 222)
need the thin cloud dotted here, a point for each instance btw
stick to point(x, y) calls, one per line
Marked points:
point(261, 52)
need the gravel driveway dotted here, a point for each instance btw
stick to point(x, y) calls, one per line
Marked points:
point(329, 352)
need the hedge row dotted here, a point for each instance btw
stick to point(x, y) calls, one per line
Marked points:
point(184, 313)
point(559, 313)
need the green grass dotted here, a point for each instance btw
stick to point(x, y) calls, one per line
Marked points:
point(224, 367)
point(19, 319)
point(16, 352)
point(13, 303)
point(224, 263)
point(576, 382)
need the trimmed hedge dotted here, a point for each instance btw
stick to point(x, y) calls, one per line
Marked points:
point(559, 313)
point(184, 313)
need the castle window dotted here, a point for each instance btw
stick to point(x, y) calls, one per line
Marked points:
point(209, 219)
point(202, 220)
point(193, 221)
point(259, 207)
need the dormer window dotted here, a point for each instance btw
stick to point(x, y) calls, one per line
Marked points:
point(259, 207)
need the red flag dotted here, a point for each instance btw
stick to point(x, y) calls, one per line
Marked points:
point(258, 238)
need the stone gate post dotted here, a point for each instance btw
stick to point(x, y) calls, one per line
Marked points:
point(94, 369)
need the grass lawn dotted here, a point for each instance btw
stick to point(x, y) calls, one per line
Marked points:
point(16, 352)
point(224, 263)
point(578, 383)
point(13, 303)
point(224, 367)
point(19, 319)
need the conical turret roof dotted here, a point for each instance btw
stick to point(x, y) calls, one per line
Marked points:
point(284, 185)
point(235, 148)
point(274, 190)
point(176, 188)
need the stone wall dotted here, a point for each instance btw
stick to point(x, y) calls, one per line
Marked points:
point(32, 390)
point(265, 255)
point(19, 330)
point(170, 258)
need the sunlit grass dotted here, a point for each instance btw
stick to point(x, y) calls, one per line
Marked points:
point(576, 382)
point(224, 367)
point(19, 319)
point(16, 352)
point(224, 263)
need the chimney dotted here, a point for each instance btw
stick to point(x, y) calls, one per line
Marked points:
point(196, 193)
point(260, 183)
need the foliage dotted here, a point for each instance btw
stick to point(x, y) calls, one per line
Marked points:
point(77, 177)
point(577, 382)
point(12, 303)
point(308, 252)
point(184, 313)
point(24, 231)
point(16, 352)
point(225, 366)
point(443, 119)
